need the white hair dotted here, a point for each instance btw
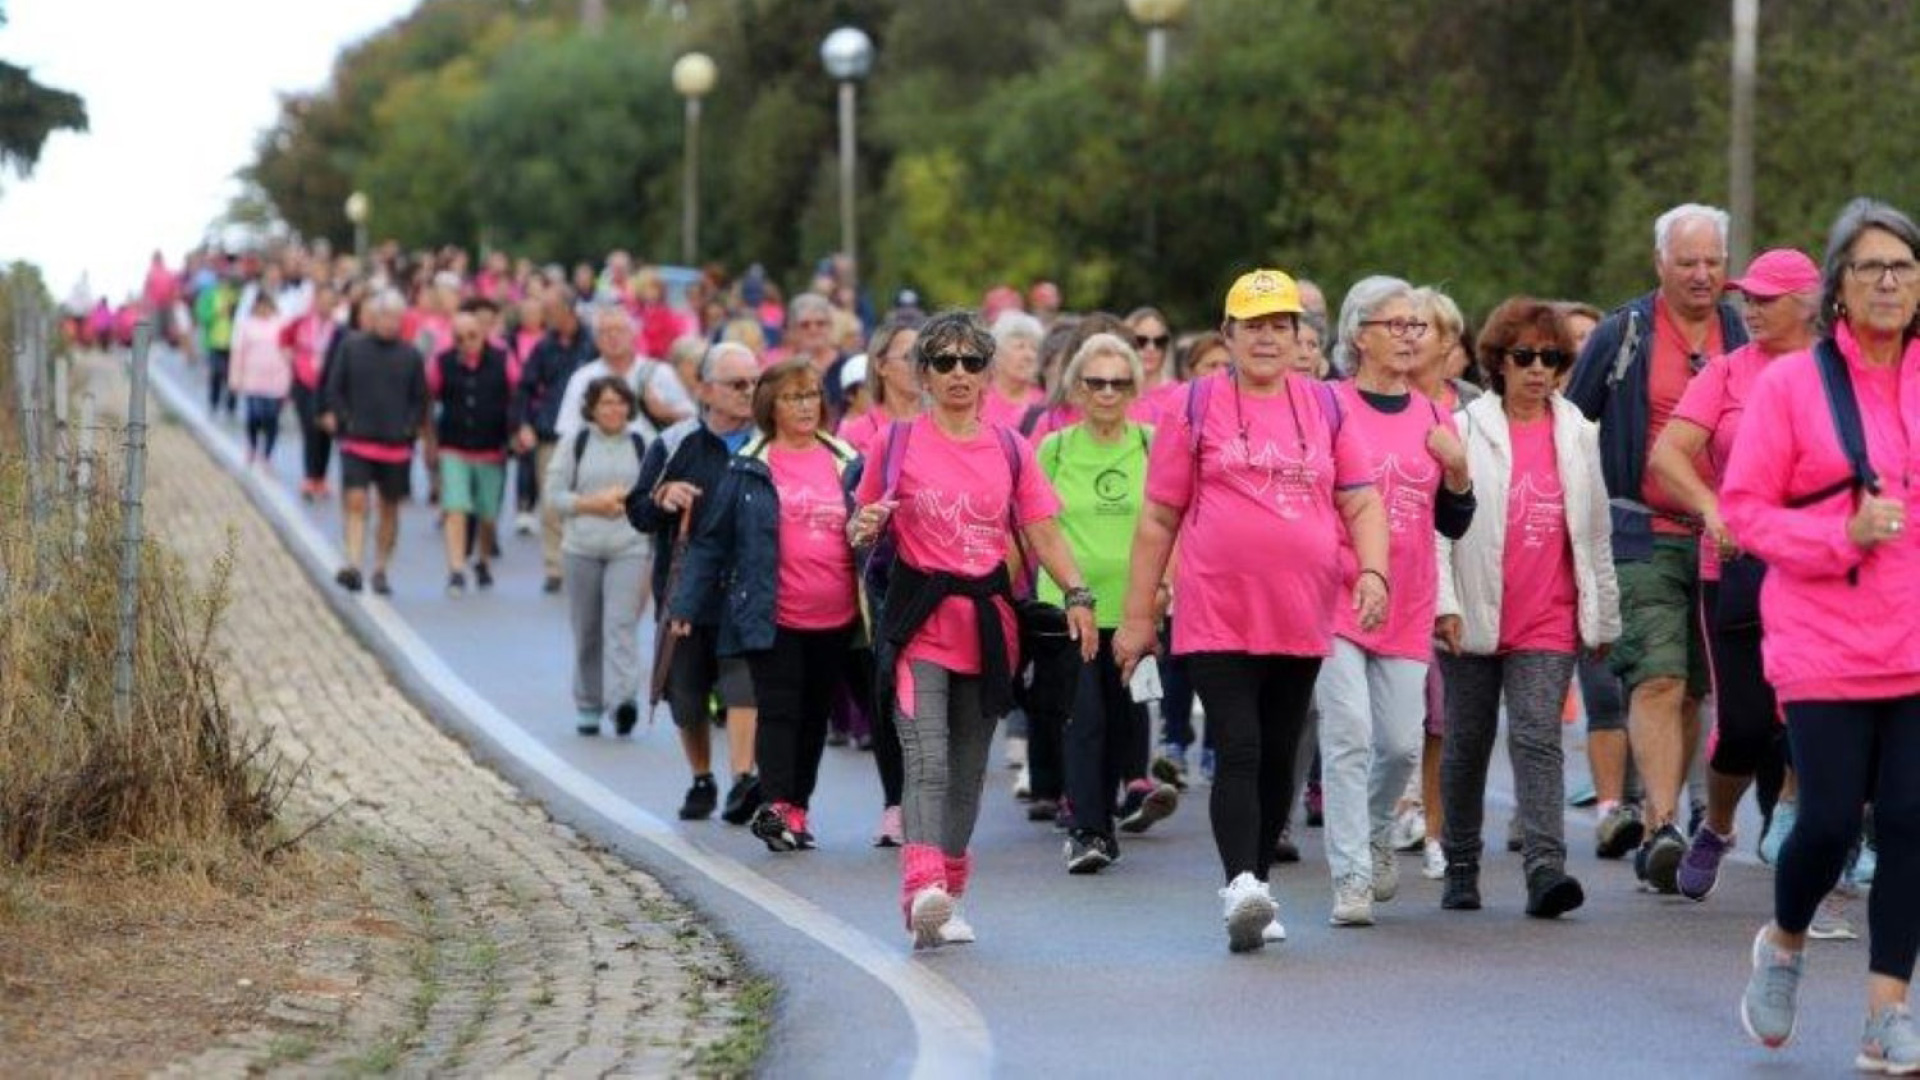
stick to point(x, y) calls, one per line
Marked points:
point(1367, 296)
point(1017, 324)
point(1664, 225)
point(1103, 345)
point(809, 302)
point(710, 362)
point(612, 313)
point(388, 301)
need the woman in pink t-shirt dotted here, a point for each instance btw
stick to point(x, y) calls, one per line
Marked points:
point(261, 375)
point(308, 339)
point(1372, 689)
point(792, 604)
point(895, 383)
point(1261, 480)
point(1530, 582)
point(1016, 370)
point(959, 490)
point(1782, 288)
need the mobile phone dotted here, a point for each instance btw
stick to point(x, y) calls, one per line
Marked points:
point(1144, 686)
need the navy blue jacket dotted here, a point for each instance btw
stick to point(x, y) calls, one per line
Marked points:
point(543, 380)
point(734, 558)
point(686, 451)
point(1610, 384)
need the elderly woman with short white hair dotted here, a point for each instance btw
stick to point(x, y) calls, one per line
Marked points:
point(1015, 386)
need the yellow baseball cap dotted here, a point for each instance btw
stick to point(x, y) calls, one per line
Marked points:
point(1263, 292)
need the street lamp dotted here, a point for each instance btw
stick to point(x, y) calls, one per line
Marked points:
point(1746, 32)
point(1157, 16)
point(358, 207)
point(693, 77)
point(848, 56)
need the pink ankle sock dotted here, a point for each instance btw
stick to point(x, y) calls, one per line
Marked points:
point(959, 869)
point(922, 866)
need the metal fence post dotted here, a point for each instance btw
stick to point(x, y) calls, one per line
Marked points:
point(131, 494)
point(83, 475)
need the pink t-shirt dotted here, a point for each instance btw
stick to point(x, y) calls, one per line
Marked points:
point(1539, 602)
point(816, 589)
point(1408, 479)
point(860, 432)
point(997, 408)
point(1147, 409)
point(952, 516)
point(1260, 535)
point(1716, 400)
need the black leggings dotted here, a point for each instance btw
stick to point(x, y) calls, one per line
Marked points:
point(1747, 736)
point(1256, 710)
point(1840, 748)
point(1106, 740)
point(793, 685)
point(316, 446)
point(880, 726)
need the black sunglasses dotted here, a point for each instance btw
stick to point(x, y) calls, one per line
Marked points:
point(1098, 385)
point(1553, 358)
point(1141, 341)
point(944, 363)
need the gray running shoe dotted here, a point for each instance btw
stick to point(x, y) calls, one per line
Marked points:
point(1889, 1044)
point(1352, 902)
point(1386, 873)
point(1831, 921)
point(1768, 1009)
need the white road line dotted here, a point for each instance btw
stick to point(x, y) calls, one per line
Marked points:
point(951, 1035)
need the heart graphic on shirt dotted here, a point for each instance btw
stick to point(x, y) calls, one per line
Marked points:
point(955, 524)
point(1271, 473)
point(1407, 489)
point(1537, 510)
point(821, 513)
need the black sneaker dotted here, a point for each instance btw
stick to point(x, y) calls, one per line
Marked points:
point(1088, 852)
point(837, 737)
point(1043, 809)
point(625, 715)
point(700, 800)
point(1143, 806)
point(1462, 889)
point(1284, 849)
point(1664, 853)
point(769, 826)
point(380, 586)
point(456, 584)
point(550, 586)
point(1552, 893)
point(743, 798)
point(1620, 831)
point(482, 576)
point(349, 578)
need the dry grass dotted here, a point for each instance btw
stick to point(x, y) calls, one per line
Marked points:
point(178, 775)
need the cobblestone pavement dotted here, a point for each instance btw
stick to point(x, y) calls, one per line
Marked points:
point(495, 940)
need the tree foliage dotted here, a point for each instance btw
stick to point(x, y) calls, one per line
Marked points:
point(1489, 146)
point(30, 113)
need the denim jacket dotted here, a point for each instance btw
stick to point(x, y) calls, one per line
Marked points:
point(734, 556)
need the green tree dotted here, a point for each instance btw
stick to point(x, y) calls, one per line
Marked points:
point(30, 113)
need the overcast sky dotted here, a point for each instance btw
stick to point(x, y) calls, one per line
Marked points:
point(176, 91)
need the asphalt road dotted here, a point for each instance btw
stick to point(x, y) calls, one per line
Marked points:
point(1127, 970)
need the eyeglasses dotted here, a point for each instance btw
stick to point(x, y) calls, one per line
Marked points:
point(1525, 358)
point(1400, 328)
point(1874, 271)
point(944, 363)
point(815, 323)
point(803, 397)
point(738, 386)
point(1160, 341)
point(1097, 385)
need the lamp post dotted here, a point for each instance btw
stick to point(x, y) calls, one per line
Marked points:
point(847, 54)
point(1157, 16)
point(358, 207)
point(1746, 32)
point(693, 77)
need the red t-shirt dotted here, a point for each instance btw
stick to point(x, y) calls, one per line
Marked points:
point(1259, 560)
point(815, 589)
point(1408, 479)
point(1539, 602)
point(952, 516)
point(1716, 400)
point(1672, 368)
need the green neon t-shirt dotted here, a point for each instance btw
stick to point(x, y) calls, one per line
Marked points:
point(1102, 487)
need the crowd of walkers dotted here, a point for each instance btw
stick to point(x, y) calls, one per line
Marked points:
point(1358, 537)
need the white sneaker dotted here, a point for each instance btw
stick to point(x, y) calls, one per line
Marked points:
point(1274, 933)
point(1023, 783)
point(524, 523)
point(1433, 865)
point(1352, 902)
point(1016, 751)
point(957, 930)
point(1249, 908)
point(931, 909)
point(1386, 873)
point(1409, 827)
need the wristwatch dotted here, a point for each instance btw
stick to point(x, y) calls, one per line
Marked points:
point(1079, 596)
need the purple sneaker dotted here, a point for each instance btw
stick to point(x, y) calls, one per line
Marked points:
point(1700, 867)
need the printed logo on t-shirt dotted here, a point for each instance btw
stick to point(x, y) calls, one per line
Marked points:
point(821, 513)
point(1112, 487)
point(1537, 511)
point(1407, 489)
point(956, 524)
point(1271, 473)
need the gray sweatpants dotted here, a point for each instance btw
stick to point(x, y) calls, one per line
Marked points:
point(944, 745)
point(604, 602)
point(1535, 685)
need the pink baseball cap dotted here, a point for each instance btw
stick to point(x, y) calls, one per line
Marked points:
point(1777, 273)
